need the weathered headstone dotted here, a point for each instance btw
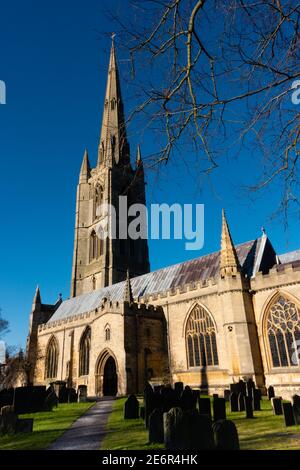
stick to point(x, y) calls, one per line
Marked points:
point(173, 429)
point(204, 406)
point(149, 402)
point(241, 402)
point(226, 435)
point(187, 399)
point(227, 395)
point(256, 399)
point(288, 414)
point(178, 387)
point(270, 392)
point(8, 420)
point(72, 395)
point(233, 388)
point(250, 385)
point(6, 397)
point(197, 431)
point(168, 399)
point(234, 402)
point(131, 408)
point(156, 426)
point(248, 407)
point(242, 387)
point(276, 405)
point(296, 408)
point(82, 393)
point(219, 409)
point(60, 388)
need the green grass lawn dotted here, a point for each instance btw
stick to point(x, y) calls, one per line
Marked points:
point(264, 432)
point(47, 427)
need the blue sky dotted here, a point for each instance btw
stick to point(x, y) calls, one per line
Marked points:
point(54, 60)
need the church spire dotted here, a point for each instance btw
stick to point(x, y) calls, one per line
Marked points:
point(37, 297)
point(113, 145)
point(128, 296)
point(85, 171)
point(229, 264)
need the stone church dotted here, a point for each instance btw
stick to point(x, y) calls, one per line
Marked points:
point(207, 322)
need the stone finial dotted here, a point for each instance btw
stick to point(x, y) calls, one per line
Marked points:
point(128, 296)
point(229, 264)
point(85, 171)
point(138, 156)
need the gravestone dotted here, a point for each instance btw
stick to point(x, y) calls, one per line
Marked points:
point(248, 407)
point(29, 399)
point(276, 405)
point(250, 387)
point(256, 399)
point(187, 399)
point(142, 412)
point(296, 408)
point(234, 402)
point(131, 408)
point(204, 406)
point(215, 395)
point(197, 431)
point(167, 399)
point(60, 388)
point(288, 414)
point(173, 429)
point(270, 392)
point(156, 426)
point(149, 402)
point(8, 420)
point(241, 402)
point(6, 397)
point(178, 387)
point(226, 435)
point(82, 393)
point(51, 400)
point(219, 409)
point(72, 395)
point(227, 395)
point(242, 387)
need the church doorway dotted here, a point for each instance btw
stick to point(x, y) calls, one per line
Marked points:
point(110, 378)
point(106, 375)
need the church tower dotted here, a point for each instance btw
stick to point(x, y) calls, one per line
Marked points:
point(99, 262)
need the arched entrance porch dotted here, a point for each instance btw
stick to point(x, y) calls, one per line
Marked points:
point(106, 374)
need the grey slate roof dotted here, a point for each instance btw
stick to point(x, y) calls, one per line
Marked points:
point(289, 257)
point(199, 269)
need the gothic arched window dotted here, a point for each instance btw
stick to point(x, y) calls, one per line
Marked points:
point(283, 331)
point(84, 352)
point(200, 337)
point(51, 359)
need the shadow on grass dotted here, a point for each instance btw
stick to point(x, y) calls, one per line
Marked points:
point(47, 427)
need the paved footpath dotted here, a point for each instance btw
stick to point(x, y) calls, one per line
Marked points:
point(88, 431)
